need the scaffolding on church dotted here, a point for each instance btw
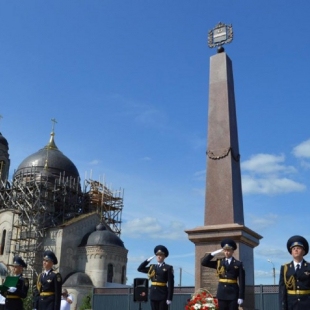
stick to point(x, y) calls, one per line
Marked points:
point(39, 201)
point(107, 202)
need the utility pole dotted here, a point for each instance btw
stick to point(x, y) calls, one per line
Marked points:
point(273, 271)
point(180, 283)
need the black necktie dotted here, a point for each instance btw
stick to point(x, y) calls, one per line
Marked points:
point(226, 262)
point(297, 271)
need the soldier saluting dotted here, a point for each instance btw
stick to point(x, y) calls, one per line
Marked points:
point(162, 279)
point(294, 283)
point(14, 295)
point(230, 271)
point(49, 285)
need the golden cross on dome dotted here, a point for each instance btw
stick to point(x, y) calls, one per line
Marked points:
point(54, 122)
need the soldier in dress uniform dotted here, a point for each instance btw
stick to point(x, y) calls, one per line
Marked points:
point(49, 285)
point(162, 279)
point(230, 271)
point(14, 295)
point(294, 283)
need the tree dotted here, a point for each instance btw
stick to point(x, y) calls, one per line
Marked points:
point(86, 302)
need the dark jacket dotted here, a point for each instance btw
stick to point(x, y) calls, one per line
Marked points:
point(290, 283)
point(162, 280)
point(48, 294)
point(229, 277)
point(14, 300)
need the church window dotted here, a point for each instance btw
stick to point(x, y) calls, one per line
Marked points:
point(123, 275)
point(2, 245)
point(110, 273)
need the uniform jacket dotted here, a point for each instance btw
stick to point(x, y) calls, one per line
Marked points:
point(235, 271)
point(289, 280)
point(163, 274)
point(51, 283)
point(22, 286)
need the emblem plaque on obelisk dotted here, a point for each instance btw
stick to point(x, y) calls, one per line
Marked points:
point(218, 36)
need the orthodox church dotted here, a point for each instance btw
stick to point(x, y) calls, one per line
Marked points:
point(44, 207)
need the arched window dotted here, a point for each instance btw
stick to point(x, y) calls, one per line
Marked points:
point(123, 275)
point(2, 245)
point(110, 273)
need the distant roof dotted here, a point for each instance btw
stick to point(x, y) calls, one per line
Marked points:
point(102, 236)
point(78, 279)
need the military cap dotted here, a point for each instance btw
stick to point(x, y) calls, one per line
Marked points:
point(160, 249)
point(229, 244)
point(18, 261)
point(49, 255)
point(297, 241)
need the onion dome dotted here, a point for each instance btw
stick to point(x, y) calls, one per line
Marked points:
point(48, 161)
point(3, 141)
point(101, 237)
point(78, 279)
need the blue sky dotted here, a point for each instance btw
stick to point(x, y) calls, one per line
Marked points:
point(127, 82)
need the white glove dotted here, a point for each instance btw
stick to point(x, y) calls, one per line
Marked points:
point(216, 252)
point(240, 301)
point(168, 302)
point(149, 259)
point(12, 289)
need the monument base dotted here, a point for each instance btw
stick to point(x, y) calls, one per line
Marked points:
point(208, 238)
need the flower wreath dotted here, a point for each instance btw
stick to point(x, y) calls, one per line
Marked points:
point(202, 300)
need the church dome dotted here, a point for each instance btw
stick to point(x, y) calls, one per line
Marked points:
point(78, 279)
point(103, 236)
point(4, 141)
point(49, 160)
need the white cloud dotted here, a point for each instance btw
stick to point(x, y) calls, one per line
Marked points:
point(270, 186)
point(267, 164)
point(263, 174)
point(259, 222)
point(94, 162)
point(149, 227)
point(302, 150)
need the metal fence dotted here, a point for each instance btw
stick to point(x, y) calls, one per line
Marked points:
point(266, 298)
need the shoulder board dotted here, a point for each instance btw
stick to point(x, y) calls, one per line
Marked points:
point(58, 277)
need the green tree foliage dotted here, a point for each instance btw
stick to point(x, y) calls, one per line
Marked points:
point(28, 301)
point(86, 302)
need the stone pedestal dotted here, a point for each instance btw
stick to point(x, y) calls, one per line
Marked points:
point(208, 238)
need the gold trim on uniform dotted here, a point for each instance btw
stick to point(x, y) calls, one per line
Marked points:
point(298, 292)
point(47, 293)
point(159, 283)
point(151, 272)
point(227, 280)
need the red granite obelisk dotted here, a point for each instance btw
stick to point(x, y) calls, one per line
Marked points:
point(223, 215)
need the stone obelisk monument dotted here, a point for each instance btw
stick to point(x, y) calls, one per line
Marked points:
point(223, 216)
